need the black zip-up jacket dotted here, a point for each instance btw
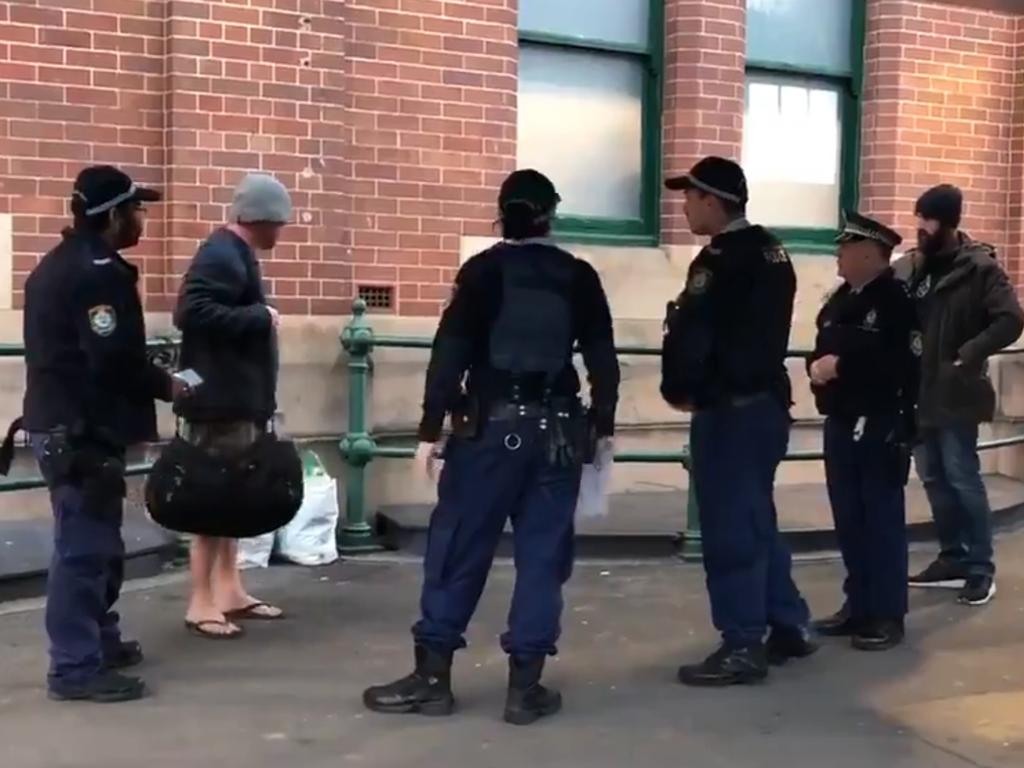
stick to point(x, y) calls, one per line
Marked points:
point(228, 336)
point(87, 366)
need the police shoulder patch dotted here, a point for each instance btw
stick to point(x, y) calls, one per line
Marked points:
point(916, 343)
point(102, 320)
point(776, 254)
point(699, 282)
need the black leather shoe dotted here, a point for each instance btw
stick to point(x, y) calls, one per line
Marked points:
point(106, 688)
point(839, 624)
point(128, 654)
point(789, 643)
point(727, 666)
point(527, 699)
point(878, 636)
point(427, 691)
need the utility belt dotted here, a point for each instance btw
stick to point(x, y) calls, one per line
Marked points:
point(568, 434)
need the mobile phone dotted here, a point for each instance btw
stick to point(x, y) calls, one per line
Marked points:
point(189, 377)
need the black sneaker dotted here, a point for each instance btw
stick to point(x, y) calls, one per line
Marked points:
point(941, 574)
point(123, 656)
point(978, 590)
point(727, 666)
point(789, 643)
point(527, 699)
point(106, 688)
point(427, 691)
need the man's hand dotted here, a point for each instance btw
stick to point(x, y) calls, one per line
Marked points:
point(427, 463)
point(179, 389)
point(824, 369)
point(275, 316)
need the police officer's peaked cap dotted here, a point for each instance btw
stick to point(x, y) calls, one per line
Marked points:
point(716, 176)
point(858, 227)
point(102, 187)
point(531, 187)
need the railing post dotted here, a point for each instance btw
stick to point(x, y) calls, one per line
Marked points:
point(691, 536)
point(358, 446)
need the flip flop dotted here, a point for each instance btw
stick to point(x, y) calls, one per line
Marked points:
point(196, 628)
point(251, 613)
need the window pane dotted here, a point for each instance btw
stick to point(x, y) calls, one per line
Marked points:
point(791, 151)
point(813, 34)
point(618, 21)
point(580, 122)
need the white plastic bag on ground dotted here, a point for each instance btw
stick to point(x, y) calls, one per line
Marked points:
point(309, 539)
point(255, 552)
point(593, 499)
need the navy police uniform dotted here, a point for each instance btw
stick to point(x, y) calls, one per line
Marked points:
point(90, 394)
point(869, 410)
point(724, 352)
point(502, 366)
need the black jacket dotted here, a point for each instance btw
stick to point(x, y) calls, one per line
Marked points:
point(968, 311)
point(463, 340)
point(228, 336)
point(86, 362)
point(874, 333)
point(727, 334)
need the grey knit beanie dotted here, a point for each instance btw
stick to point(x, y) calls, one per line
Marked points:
point(261, 197)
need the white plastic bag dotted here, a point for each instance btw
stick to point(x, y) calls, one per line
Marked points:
point(593, 499)
point(309, 539)
point(255, 552)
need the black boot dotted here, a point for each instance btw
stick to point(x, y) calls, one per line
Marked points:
point(427, 691)
point(785, 643)
point(105, 688)
point(528, 700)
point(124, 655)
point(839, 624)
point(727, 666)
point(878, 636)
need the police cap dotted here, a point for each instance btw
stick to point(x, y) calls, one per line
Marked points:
point(716, 176)
point(858, 227)
point(530, 187)
point(103, 187)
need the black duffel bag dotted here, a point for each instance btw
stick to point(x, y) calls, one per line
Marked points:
point(250, 493)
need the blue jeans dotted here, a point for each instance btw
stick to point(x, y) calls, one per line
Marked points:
point(736, 452)
point(948, 465)
point(486, 482)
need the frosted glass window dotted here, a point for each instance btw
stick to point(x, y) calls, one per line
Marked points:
point(792, 136)
point(617, 21)
point(810, 34)
point(580, 123)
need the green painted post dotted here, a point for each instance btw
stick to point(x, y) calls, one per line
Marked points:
point(358, 446)
point(691, 537)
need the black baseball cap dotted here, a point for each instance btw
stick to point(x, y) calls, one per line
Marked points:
point(102, 187)
point(530, 187)
point(716, 176)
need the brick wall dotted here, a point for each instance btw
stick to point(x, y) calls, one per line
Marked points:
point(432, 130)
point(704, 93)
point(1015, 254)
point(939, 106)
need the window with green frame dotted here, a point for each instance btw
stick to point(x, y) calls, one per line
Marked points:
point(801, 132)
point(590, 112)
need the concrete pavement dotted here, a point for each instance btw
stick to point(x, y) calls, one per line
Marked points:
point(289, 693)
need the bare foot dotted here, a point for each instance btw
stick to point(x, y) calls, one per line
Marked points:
point(247, 606)
point(210, 621)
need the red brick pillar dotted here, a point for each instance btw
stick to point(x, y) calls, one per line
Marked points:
point(705, 46)
point(260, 89)
point(1015, 254)
point(432, 116)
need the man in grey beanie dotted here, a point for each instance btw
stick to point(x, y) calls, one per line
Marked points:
point(229, 337)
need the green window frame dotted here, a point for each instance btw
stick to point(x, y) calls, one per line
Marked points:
point(646, 229)
point(822, 240)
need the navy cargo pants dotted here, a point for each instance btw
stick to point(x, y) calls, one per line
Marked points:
point(736, 451)
point(866, 479)
point(84, 580)
point(501, 475)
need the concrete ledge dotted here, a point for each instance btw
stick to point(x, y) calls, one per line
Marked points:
point(650, 525)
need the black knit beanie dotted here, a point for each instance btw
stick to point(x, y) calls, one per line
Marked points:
point(943, 204)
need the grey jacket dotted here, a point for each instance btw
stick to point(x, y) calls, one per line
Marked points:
point(971, 313)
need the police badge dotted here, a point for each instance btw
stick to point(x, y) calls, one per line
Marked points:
point(916, 343)
point(103, 320)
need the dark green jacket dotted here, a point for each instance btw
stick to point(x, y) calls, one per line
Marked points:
point(968, 314)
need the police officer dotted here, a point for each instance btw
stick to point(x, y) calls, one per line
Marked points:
point(864, 375)
point(519, 440)
point(89, 394)
point(723, 358)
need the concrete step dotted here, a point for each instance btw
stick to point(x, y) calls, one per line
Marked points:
point(650, 524)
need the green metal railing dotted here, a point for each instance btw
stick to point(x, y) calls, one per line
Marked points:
point(359, 447)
